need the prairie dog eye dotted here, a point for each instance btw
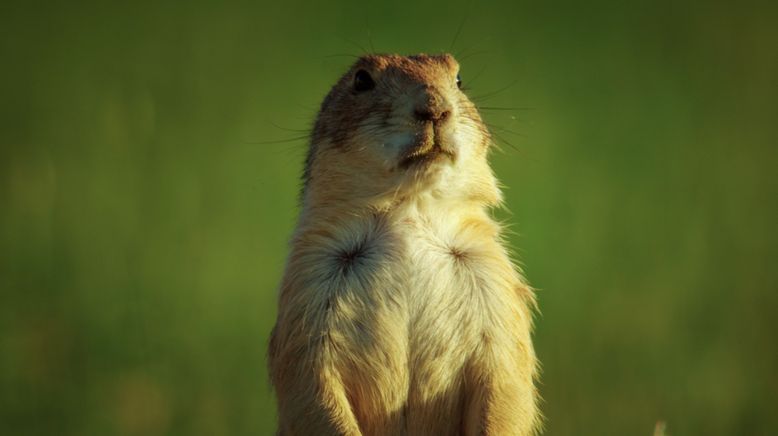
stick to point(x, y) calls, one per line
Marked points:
point(459, 81)
point(363, 81)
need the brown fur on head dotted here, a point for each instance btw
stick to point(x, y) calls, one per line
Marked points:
point(394, 126)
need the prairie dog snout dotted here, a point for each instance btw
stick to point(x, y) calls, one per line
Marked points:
point(432, 106)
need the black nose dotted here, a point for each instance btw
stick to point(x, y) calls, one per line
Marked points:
point(431, 114)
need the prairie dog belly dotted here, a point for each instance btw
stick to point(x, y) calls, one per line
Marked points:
point(410, 314)
point(453, 298)
point(442, 332)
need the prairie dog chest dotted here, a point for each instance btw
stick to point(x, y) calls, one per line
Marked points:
point(428, 277)
point(449, 262)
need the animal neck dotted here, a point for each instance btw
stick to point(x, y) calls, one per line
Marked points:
point(425, 207)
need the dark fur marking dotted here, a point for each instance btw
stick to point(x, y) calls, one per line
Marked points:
point(349, 258)
point(458, 254)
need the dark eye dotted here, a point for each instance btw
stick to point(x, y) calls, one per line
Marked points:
point(459, 81)
point(363, 81)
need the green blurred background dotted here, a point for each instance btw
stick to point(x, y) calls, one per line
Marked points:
point(145, 202)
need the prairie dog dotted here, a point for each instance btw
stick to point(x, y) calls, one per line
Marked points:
point(400, 312)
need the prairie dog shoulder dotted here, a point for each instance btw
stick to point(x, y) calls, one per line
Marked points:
point(400, 311)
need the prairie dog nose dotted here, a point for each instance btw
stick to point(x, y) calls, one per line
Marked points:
point(432, 107)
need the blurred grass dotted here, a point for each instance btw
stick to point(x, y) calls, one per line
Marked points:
point(144, 220)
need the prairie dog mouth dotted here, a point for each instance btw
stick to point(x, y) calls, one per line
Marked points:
point(426, 148)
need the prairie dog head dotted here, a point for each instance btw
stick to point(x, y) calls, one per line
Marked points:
point(395, 127)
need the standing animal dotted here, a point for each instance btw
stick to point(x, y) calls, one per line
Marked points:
point(400, 311)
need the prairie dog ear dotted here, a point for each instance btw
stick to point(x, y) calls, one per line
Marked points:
point(450, 61)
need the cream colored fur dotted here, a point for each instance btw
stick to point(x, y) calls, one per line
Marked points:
point(400, 312)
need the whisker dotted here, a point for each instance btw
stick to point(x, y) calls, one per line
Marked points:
point(277, 141)
point(369, 35)
point(501, 138)
point(361, 48)
point(459, 30)
point(474, 78)
point(494, 93)
point(496, 108)
point(288, 129)
point(475, 53)
point(503, 129)
point(336, 55)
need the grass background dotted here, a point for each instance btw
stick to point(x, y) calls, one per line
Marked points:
point(144, 220)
